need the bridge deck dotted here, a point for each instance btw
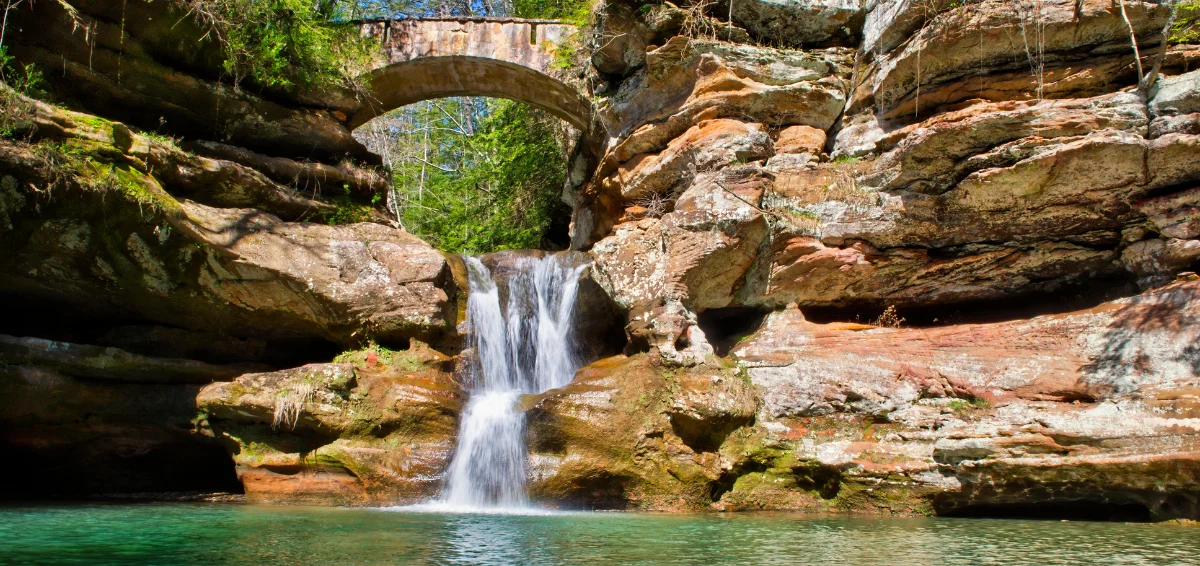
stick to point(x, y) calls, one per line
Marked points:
point(466, 19)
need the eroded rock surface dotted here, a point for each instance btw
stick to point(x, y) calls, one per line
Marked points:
point(933, 169)
point(632, 432)
point(1092, 407)
point(376, 428)
point(103, 226)
point(145, 63)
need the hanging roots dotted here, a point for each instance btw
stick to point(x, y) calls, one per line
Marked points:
point(289, 403)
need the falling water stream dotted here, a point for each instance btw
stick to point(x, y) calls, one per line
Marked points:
point(520, 345)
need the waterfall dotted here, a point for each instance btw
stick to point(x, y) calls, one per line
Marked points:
point(521, 345)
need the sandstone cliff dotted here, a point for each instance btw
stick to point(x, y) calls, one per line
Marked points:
point(770, 185)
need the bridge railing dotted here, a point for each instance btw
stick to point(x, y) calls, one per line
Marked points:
point(466, 19)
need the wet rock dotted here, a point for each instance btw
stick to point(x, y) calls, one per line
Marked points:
point(609, 440)
point(597, 319)
point(706, 410)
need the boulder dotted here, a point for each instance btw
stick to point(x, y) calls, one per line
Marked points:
point(801, 139)
point(628, 433)
point(664, 270)
point(377, 428)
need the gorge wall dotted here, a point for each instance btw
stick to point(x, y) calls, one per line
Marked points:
point(179, 316)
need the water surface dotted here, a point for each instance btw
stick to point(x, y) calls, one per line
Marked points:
point(211, 534)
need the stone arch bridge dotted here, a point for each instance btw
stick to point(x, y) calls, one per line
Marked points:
point(471, 56)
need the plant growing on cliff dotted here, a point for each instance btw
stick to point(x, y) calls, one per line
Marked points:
point(289, 402)
point(24, 79)
point(889, 318)
point(346, 210)
point(16, 111)
point(1032, 23)
point(1181, 25)
point(656, 204)
point(286, 42)
point(697, 24)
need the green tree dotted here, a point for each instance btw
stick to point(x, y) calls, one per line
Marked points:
point(474, 175)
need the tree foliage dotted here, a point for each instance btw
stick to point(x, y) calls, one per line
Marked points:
point(1186, 27)
point(288, 42)
point(473, 175)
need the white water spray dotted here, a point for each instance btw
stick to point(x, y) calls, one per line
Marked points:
point(522, 346)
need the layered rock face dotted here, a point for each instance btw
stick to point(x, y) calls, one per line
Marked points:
point(137, 268)
point(898, 155)
point(1091, 411)
point(1092, 406)
point(99, 223)
point(144, 64)
point(928, 168)
point(162, 294)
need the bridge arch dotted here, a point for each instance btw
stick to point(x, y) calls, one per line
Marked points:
point(408, 82)
point(495, 57)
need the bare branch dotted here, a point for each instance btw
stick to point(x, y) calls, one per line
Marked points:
point(1133, 39)
point(1145, 83)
